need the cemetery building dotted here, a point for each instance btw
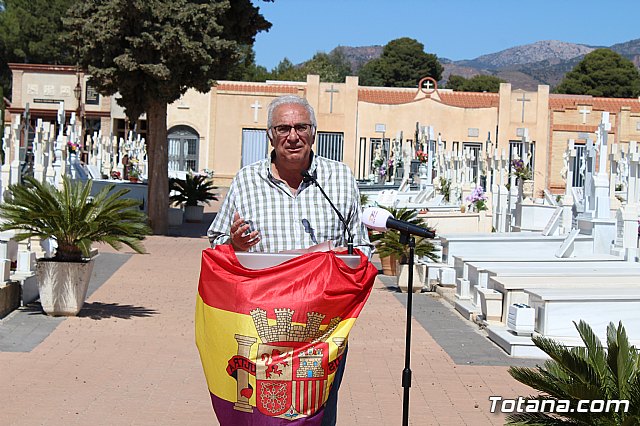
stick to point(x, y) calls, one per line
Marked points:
point(225, 129)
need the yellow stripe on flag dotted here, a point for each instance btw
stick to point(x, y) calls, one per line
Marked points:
point(216, 332)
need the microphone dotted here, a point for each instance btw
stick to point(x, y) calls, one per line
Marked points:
point(381, 220)
point(308, 178)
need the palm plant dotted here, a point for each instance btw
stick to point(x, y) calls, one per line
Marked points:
point(389, 242)
point(73, 218)
point(192, 190)
point(584, 373)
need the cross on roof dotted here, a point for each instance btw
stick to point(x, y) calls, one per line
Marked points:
point(584, 111)
point(255, 106)
point(331, 92)
point(523, 99)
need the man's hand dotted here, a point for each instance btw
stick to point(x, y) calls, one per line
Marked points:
point(240, 239)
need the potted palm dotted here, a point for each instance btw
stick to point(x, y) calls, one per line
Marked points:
point(74, 220)
point(606, 372)
point(392, 251)
point(191, 192)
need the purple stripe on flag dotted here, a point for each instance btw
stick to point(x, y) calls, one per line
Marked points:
point(229, 416)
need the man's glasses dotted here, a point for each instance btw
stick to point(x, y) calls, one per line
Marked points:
point(301, 129)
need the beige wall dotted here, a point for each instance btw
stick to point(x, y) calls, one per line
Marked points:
point(43, 92)
point(531, 114)
point(220, 115)
point(193, 110)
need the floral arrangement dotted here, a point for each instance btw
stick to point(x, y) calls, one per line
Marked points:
point(382, 170)
point(520, 170)
point(477, 200)
point(379, 168)
point(208, 173)
point(134, 171)
point(444, 186)
point(422, 156)
point(116, 175)
point(73, 147)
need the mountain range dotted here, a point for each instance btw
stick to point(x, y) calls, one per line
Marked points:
point(525, 67)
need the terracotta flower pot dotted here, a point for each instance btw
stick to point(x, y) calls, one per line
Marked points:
point(389, 265)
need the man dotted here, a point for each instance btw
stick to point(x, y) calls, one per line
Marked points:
point(271, 208)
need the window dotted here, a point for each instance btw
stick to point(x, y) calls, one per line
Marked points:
point(577, 180)
point(121, 128)
point(378, 148)
point(475, 149)
point(183, 149)
point(330, 145)
point(255, 146)
point(362, 159)
point(516, 150)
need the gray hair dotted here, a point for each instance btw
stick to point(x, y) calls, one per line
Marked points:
point(288, 100)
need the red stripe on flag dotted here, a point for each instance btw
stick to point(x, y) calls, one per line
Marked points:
point(308, 281)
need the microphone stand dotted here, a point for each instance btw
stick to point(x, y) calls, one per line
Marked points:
point(405, 238)
point(307, 177)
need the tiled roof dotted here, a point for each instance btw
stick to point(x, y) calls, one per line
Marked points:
point(563, 102)
point(403, 96)
point(386, 96)
point(470, 99)
point(258, 87)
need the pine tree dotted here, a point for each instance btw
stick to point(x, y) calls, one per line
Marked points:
point(151, 52)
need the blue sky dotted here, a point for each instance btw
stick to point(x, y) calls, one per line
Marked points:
point(454, 29)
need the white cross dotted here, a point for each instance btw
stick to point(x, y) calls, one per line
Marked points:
point(523, 99)
point(255, 106)
point(584, 111)
point(331, 91)
point(603, 129)
point(429, 84)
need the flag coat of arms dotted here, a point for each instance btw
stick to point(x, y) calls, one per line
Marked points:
point(271, 340)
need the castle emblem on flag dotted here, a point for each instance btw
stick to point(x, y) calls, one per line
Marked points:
point(291, 366)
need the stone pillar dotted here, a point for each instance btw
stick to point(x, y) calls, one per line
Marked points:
point(244, 349)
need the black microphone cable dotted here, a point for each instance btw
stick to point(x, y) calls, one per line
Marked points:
point(307, 177)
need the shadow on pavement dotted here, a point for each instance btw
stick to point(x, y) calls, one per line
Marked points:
point(99, 310)
point(192, 230)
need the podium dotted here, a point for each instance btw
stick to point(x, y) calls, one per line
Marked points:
point(272, 329)
point(267, 260)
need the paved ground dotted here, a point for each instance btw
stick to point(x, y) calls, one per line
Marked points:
point(129, 358)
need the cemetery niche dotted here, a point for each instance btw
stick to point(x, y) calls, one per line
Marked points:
point(519, 263)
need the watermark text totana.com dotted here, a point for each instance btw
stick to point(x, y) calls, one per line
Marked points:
point(525, 405)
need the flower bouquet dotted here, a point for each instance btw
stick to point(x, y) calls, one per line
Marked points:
point(422, 156)
point(477, 200)
point(520, 170)
point(73, 147)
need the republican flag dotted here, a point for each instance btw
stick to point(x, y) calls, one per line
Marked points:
point(271, 340)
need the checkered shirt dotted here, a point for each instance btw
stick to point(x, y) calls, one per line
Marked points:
point(286, 221)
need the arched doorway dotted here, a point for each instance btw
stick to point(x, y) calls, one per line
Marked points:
point(184, 144)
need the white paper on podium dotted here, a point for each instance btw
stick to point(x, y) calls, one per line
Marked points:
point(267, 260)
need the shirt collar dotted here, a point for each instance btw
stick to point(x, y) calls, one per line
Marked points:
point(272, 156)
